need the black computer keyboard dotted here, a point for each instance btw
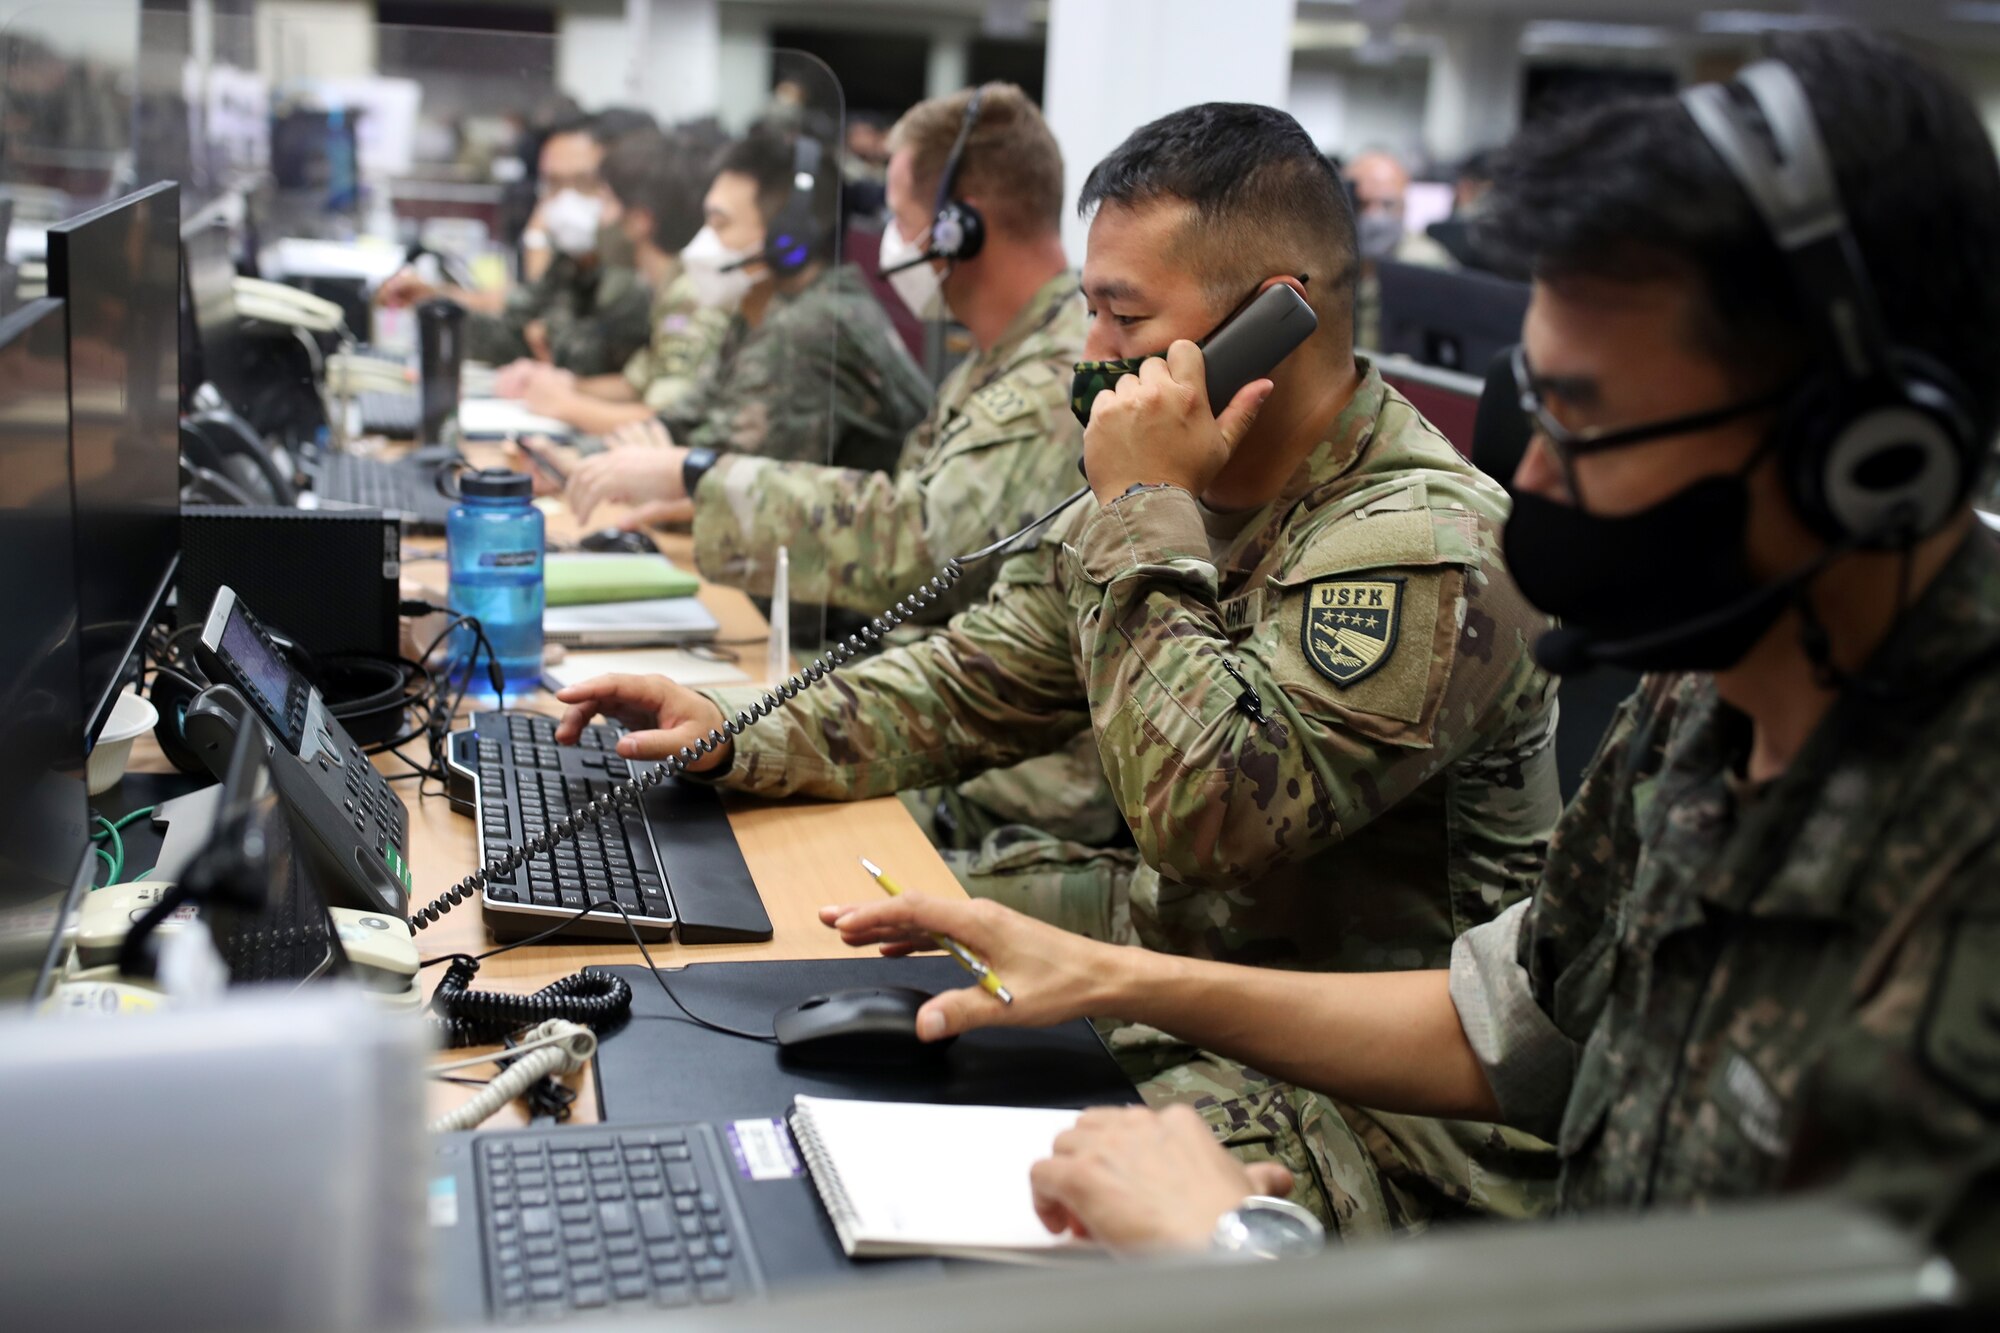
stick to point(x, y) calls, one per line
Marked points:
point(396, 415)
point(672, 860)
point(582, 1218)
point(406, 489)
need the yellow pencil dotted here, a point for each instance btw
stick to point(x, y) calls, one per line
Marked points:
point(989, 980)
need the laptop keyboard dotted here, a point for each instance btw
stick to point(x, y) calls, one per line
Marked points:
point(396, 415)
point(400, 488)
point(583, 1218)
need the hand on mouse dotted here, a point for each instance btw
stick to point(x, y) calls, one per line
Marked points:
point(1053, 975)
point(659, 514)
point(662, 717)
point(1137, 1179)
point(625, 476)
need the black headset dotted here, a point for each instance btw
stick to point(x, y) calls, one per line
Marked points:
point(791, 239)
point(957, 230)
point(1877, 447)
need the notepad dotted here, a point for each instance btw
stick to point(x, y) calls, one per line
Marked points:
point(586, 578)
point(901, 1178)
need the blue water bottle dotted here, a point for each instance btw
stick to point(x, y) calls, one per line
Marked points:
point(493, 541)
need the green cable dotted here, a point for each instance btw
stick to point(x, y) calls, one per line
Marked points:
point(142, 874)
point(110, 865)
point(117, 855)
point(135, 816)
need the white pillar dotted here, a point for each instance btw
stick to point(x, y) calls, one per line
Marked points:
point(675, 60)
point(1473, 97)
point(948, 64)
point(1112, 68)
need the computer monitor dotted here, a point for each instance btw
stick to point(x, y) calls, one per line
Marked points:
point(1454, 318)
point(117, 269)
point(44, 837)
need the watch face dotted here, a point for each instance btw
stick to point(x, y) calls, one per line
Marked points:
point(1277, 1229)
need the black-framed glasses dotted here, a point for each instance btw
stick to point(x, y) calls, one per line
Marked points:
point(1570, 445)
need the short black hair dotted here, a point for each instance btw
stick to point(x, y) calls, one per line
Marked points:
point(615, 122)
point(769, 156)
point(1266, 197)
point(661, 174)
point(1631, 192)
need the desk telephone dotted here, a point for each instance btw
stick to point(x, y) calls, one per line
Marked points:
point(1247, 346)
point(356, 827)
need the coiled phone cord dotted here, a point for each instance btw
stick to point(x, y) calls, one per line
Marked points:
point(627, 793)
point(468, 1017)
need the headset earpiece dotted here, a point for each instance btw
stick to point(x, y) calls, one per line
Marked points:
point(958, 232)
point(1877, 447)
point(791, 240)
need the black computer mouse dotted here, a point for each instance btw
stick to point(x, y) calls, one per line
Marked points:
point(877, 1025)
point(619, 540)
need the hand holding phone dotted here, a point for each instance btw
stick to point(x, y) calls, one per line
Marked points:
point(1151, 430)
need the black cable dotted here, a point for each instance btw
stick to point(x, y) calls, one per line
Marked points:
point(475, 959)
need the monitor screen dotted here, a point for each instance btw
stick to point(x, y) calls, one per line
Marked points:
point(43, 808)
point(117, 269)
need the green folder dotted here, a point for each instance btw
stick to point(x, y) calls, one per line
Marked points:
point(586, 578)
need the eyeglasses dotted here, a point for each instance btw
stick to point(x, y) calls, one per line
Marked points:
point(1570, 445)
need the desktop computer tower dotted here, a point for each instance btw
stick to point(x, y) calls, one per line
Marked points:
point(329, 580)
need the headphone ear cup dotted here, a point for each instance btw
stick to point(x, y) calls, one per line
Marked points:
point(171, 693)
point(958, 232)
point(1855, 469)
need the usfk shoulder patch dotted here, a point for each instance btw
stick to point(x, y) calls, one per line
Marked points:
point(1351, 626)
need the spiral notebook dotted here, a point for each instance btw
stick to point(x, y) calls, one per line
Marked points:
point(902, 1178)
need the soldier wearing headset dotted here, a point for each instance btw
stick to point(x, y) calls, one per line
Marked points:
point(809, 367)
point(1758, 372)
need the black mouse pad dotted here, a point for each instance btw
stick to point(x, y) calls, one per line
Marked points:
point(659, 1066)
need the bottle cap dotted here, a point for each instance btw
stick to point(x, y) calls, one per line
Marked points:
point(496, 483)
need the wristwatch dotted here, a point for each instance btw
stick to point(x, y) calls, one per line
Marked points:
point(1265, 1228)
point(695, 466)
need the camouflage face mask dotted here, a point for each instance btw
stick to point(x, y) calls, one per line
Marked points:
point(1094, 377)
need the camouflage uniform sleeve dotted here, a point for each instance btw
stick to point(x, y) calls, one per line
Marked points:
point(997, 685)
point(777, 401)
point(1214, 795)
point(599, 343)
point(1529, 1062)
point(862, 540)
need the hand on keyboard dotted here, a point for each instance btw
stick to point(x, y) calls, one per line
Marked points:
point(660, 716)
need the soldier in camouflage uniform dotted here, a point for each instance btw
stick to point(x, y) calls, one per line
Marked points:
point(652, 198)
point(997, 450)
point(809, 368)
point(1761, 957)
point(1309, 688)
point(585, 312)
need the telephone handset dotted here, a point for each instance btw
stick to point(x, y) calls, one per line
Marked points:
point(279, 303)
point(1251, 342)
point(357, 826)
point(1248, 345)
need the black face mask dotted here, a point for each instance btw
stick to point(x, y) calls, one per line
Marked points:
point(1665, 589)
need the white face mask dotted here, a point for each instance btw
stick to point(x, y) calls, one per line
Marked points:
point(717, 273)
point(570, 219)
point(920, 285)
